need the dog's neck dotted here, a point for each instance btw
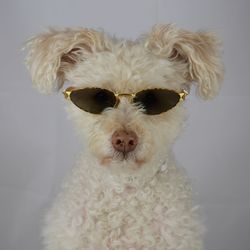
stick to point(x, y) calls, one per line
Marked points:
point(122, 179)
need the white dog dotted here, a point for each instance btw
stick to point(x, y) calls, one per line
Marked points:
point(126, 99)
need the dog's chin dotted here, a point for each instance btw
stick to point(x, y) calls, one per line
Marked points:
point(120, 160)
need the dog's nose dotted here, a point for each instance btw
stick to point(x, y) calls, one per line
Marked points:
point(124, 141)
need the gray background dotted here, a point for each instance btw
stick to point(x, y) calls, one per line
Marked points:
point(38, 145)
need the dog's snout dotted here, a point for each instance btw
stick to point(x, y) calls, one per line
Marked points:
point(124, 141)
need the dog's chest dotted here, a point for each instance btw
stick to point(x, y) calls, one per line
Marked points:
point(94, 216)
point(127, 218)
point(131, 217)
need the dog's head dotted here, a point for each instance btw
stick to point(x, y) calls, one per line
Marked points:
point(124, 135)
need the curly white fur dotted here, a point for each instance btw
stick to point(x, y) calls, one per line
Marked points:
point(145, 200)
point(96, 211)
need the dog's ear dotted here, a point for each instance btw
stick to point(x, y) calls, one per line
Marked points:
point(54, 53)
point(199, 51)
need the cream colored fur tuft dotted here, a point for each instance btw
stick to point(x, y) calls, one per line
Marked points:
point(53, 53)
point(199, 50)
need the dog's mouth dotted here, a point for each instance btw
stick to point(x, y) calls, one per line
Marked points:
point(123, 156)
point(124, 159)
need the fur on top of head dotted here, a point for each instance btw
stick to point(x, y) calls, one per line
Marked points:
point(53, 54)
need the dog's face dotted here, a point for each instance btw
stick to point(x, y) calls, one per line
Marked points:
point(125, 137)
point(127, 69)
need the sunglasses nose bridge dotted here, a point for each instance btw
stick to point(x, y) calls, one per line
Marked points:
point(129, 97)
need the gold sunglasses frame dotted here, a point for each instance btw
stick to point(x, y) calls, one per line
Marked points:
point(67, 92)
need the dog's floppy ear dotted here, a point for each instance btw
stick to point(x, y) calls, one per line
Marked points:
point(52, 54)
point(199, 51)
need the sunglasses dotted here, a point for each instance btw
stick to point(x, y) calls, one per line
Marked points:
point(96, 100)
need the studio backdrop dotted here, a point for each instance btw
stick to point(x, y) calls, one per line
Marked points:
point(38, 145)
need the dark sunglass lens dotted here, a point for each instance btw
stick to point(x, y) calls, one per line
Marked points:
point(156, 101)
point(93, 100)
